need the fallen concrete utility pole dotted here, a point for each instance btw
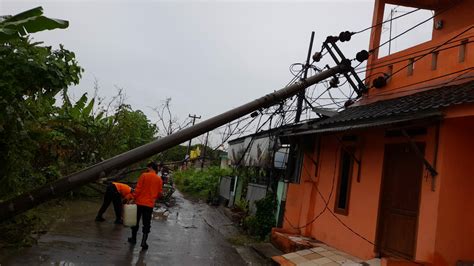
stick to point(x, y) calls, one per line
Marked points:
point(33, 198)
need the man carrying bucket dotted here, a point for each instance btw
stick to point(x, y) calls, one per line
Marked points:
point(146, 192)
point(114, 193)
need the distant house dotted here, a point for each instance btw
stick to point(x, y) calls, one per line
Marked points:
point(393, 174)
point(255, 154)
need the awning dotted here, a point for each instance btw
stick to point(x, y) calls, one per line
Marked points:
point(352, 125)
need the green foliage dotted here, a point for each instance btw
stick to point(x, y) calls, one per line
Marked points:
point(30, 77)
point(198, 182)
point(71, 137)
point(264, 219)
point(131, 129)
point(30, 21)
point(174, 154)
point(211, 155)
point(242, 205)
point(41, 141)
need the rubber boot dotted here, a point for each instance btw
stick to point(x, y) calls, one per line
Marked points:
point(133, 239)
point(144, 244)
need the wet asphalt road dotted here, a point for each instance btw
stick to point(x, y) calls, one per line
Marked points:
point(186, 237)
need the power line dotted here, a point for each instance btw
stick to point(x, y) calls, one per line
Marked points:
point(397, 90)
point(419, 57)
point(430, 52)
point(285, 118)
point(326, 202)
point(391, 39)
point(326, 207)
point(385, 21)
point(410, 55)
point(253, 138)
point(405, 57)
point(251, 141)
point(295, 77)
point(241, 130)
point(413, 27)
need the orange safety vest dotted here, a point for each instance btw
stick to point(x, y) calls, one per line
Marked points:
point(148, 189)
point(124, 190)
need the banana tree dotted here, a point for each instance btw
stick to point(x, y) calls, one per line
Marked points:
point(30, 21)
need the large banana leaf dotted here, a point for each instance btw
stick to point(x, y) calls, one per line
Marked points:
point(27, 22)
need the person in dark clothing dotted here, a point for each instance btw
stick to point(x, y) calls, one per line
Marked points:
point(114, 193)
point(148, 189)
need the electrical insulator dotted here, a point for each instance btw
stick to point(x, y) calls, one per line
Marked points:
point(362, 56)
point(345, 36)
point(334, 82)
point(346, 63)
point(331, 39)
point(317, 57)
point(380, 82)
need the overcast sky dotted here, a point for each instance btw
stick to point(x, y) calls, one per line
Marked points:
point(208, 56)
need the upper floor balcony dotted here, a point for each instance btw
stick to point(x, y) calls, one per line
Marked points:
point(447, 58)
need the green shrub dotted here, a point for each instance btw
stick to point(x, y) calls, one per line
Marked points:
point(242, 205)
point(262, 222)
point(199, 183)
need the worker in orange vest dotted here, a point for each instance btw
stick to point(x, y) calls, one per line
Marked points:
point(115, 193)
point(147, 191)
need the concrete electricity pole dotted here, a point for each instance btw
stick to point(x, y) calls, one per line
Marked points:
point(29, 199)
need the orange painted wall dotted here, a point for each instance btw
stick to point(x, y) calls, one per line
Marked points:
point(300, 199)
point(446, 218)
point(455, 229)
point(428, 213)
point(364, 198)
point(456, 20)
point(459, 16)
point(291, 220)
point(363, 204)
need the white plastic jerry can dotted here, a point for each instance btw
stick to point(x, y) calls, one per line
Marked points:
point(129, 214)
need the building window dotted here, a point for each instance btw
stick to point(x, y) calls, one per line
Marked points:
point(344, 183)
point(295, 163)
point(298, 167)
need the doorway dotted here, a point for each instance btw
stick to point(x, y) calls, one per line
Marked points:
point(399, 201)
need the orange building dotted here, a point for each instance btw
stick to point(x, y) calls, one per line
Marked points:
point(393, 174)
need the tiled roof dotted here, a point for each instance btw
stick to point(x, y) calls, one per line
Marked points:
point(429, 100)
